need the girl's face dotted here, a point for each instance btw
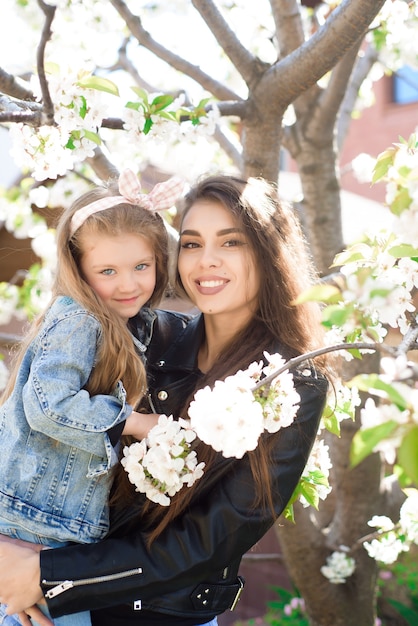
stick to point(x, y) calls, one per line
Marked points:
point(120, 269)
point(216, 264)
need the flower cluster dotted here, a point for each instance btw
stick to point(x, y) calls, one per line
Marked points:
point(230, 417)
point(339, 567)
point(4, 373)
point(392, 539)
point(162, 463)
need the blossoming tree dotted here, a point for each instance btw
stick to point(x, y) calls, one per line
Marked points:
point(99, 101)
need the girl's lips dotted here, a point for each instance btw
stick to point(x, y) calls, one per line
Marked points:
point(127, 300)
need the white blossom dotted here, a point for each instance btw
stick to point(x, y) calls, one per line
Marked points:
point(382, 522)
point(373, 415)
point(231, 416)
point(409, 516)
point(228, 417)
point(4, 374)
point(319, 461)
point(385, 549)
point(339, 566)
point(45, 247)
point(9, 298)
point(162, 463)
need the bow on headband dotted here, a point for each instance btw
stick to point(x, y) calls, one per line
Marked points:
point(162, 197)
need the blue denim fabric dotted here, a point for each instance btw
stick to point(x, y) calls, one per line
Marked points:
point(214, 622)
point(55, 453)
point(77, 619)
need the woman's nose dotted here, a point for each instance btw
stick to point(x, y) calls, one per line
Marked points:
point(209, 257)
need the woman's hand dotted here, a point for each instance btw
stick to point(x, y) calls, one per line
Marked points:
point(19, 575)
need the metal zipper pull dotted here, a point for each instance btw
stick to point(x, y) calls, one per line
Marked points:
point(55, 591)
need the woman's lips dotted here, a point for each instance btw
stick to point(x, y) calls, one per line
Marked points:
point(210, 286)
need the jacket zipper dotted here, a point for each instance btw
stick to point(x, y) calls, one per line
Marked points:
point(151, 403)
point(64, 585)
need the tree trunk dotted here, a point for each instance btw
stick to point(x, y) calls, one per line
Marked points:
point(321, 205)
point(341, 521)
point(261, 139)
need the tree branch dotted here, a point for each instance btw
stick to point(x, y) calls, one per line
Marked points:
point(365, 62)
point(289, 30)
point(10, 86)
point(303, 67)
point(48, 108)
point(126, 64)
point(249, 66)
point(134, 24)
point(24, 117)
point(101, 166)
point(229, 148)
point(238, 109)
point(321, 126)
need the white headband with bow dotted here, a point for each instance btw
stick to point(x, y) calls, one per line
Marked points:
point(162, 197)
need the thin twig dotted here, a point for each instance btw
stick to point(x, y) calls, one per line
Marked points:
point(49, 12)
point(315, 353)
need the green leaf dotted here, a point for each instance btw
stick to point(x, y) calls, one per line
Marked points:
point(335, 315)
point(52, 68)
point(403, 250)
point(83, 109)
point(319, 293)
point(383, 163)
point(310, 493)
point(408, 454)
point(141, 93)
point(332, 424)
point(99, 83)
point(133, 105)
point(352, 254)
point(147, 126)
point(370, 382)
point(161, 102)
point(401, 202)
point(289, 513)
point(364, 441)
point(410, 615)
point(92, 136)
point(70, 143)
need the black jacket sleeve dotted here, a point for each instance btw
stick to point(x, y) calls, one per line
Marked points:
point(217, 530)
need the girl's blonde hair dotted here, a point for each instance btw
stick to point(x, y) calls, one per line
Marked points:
point(117, 358)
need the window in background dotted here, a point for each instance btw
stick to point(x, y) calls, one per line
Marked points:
point(405, 85)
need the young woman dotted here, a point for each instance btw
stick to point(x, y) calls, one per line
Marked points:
point(242, 262)
point(80, 373)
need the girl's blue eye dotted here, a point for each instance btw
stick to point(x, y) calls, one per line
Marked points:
point(108, 272)
point(141, 267)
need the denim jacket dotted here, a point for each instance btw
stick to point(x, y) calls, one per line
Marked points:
point(55, 450)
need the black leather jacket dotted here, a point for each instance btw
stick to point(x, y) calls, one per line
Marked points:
point(190, 573)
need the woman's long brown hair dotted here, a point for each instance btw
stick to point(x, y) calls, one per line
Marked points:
point(286, 269)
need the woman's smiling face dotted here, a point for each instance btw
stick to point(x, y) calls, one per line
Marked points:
point(216, 263)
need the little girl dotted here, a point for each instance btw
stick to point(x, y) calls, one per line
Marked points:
point(80, 371)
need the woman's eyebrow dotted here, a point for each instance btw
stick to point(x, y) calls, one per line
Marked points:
point(220, 233)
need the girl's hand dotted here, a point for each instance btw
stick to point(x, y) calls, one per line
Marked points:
point(19, 575)
point(139, 424)
point(37, 615)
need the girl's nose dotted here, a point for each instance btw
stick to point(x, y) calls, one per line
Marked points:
point(127, 282)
